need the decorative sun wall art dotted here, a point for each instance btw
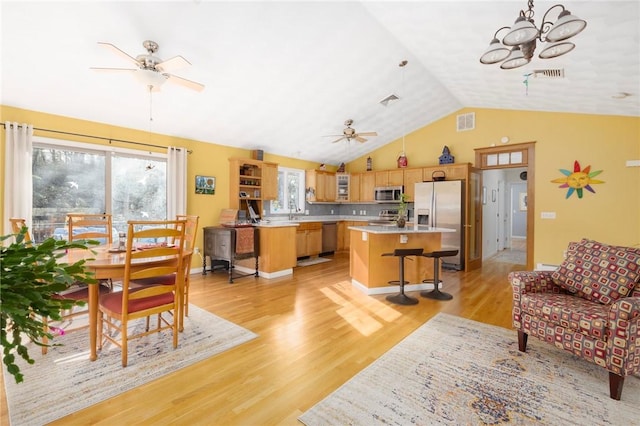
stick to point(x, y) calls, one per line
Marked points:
point(578, 179)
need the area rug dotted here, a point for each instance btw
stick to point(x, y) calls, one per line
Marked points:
point(312, 261)
point(65, 381)
point(461, 372)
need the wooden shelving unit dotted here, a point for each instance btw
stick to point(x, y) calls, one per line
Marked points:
point(252, 182)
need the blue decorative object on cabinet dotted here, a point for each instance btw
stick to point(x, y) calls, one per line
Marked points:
point(446, 157)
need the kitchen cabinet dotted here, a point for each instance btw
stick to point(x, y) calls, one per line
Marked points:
point(411, 177)
point(354, 187)
point(367, 184)
point(321, 185)
point(344, 235)
point(269, 181)
point(250, 182)
point(390, 177)
point(309, 239)
point(451, 171)
point(343, 187)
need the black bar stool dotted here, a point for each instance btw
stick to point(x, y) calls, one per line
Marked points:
point(436, 293)
point(401, 298)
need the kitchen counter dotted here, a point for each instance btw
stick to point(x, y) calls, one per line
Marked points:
point(393, 229)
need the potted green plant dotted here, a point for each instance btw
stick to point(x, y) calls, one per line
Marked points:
point(31, 277)
point(401, 221)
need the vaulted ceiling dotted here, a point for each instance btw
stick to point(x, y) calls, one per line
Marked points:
point(281, 76)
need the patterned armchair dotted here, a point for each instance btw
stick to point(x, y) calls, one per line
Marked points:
point(589, 306)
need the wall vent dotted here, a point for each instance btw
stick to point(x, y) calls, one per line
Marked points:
point(466, 122)
point(392, 98)
point(550, 73)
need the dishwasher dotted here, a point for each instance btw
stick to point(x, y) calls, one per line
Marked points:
point(329, 237)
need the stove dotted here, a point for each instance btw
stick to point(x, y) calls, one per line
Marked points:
point(385, 217)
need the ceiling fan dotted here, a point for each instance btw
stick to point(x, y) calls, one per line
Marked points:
point(349, 133)
point(151, 70)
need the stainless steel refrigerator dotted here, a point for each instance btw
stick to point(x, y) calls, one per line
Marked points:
point(441, 204)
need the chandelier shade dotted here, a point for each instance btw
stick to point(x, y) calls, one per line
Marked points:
point(515, 60)
point(518, 45)
point(565, 27)
point(553, 50)
point(496, 52)
point(523, 31)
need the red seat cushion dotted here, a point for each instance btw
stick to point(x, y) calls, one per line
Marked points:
point(113, 301)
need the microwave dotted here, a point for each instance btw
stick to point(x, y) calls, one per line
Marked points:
point(388, 194)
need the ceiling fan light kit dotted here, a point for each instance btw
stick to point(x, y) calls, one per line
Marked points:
point(519, 44)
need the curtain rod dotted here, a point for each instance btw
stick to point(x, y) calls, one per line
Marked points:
point(98, 137)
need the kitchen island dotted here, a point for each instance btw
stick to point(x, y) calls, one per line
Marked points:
point(277, 250)
point(371, 272)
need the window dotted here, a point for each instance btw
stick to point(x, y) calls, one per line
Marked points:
point(290, 191)
point(69, 177)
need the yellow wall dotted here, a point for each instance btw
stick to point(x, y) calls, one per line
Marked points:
point(610, 215)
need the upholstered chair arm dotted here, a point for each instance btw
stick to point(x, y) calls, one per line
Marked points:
point(533, 282)
point(622, 344)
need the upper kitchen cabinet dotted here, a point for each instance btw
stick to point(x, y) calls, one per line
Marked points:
point(269, 181)
point(390, 178)
point(343, 187)
point(251, 181)
point(367, 185)
point(449, 171)
point(411, 177)
point(320, 185)
point(354, 187)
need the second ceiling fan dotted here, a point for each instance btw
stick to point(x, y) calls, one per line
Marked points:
point(350, 133)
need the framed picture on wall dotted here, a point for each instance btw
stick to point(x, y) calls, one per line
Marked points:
point(205, 185)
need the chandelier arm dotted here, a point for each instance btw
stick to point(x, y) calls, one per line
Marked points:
point(500, 29)
point(545, 26)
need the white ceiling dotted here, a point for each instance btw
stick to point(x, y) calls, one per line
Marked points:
point(280, 76)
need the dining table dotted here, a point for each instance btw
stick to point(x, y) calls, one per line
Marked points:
point(107, 263)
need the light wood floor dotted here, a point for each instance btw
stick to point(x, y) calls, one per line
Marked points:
point(315, 332)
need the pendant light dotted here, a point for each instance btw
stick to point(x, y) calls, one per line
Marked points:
point(402, 158)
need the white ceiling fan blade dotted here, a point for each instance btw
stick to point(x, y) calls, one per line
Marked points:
point(339, 139)
point(368, 134)
point(359, 139)
point(173, 64)
point(186, 83)
point(112, 69)
point(117, 51)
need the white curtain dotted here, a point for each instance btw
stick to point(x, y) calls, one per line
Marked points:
point(18, 189)
point(176, 181)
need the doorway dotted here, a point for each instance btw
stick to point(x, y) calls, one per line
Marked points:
point(521, 159)
point(504, 225)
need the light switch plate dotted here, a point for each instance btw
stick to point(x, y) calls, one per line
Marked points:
point(548, 215)
point(404, 239)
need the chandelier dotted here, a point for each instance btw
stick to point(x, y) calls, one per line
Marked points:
point(519, 44)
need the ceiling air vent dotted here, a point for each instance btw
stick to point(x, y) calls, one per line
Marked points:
point(466, 122)
point(551, 73)
point(389, 100)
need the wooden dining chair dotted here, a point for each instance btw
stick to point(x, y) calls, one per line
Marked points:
point(191, 230)
point(118, 308)
point(81, 227)
point(190, 234)
point(84, 226)
point(77, 292)
point(16, 226)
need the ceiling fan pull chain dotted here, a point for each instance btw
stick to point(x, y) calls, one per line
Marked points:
point(150, 103)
